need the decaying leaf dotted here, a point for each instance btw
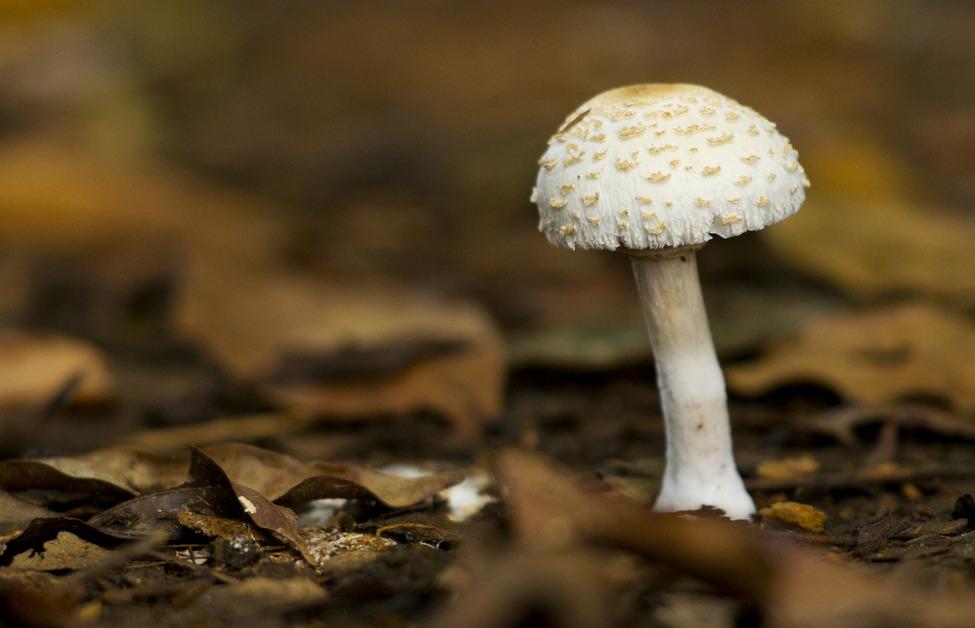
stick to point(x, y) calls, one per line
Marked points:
point(213, 526)
point(874, 357)
point(288, 481)
point(40, 531)
point(16, 514)
point(862, 232)
point(883, 247)
point(323, 545)
point(347, 351)
point(36, 367)
point(66, 551)
point(124, 473)
point(116, 473)
point(62, 198)
point(802, 515)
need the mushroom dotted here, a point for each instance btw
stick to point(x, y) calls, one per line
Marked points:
point(655, 171)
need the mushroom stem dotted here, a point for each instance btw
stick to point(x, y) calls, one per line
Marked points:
point(700, 468)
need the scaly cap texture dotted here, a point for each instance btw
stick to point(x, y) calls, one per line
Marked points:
point(661, 165)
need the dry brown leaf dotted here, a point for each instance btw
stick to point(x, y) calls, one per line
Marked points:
point(64, 552)
point(16, 514)
point(862, 231)
point(347, 350)
point(119, 472)
point(874, 357)
point(124, 472)
point(802, 515)
point(58, 197)
point(885, 243)
point(35, 367)
point(876, 247)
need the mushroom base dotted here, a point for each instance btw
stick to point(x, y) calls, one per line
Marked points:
point(700, 469)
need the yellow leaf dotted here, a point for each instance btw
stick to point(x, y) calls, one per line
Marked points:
point(802, 515)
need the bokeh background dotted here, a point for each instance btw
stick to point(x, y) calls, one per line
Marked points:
point(214, 208)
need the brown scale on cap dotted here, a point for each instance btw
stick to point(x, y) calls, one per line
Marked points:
point(718, 140)
point(625, 164)
point(629, 132)
point(657, 177)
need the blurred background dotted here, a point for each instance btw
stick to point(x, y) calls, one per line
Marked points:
point(261, 220)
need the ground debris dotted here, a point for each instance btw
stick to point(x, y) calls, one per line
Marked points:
point(801, 515)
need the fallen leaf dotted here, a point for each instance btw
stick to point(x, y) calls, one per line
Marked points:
point(121, 473)
point(324, 545)
point(278, 520)
point(874, 357)
point(16, 514)
point(40, 531)
point(870, 248)
point(66, 551)
point(213, 526)
point(36, 367)
point(863, 232)
point(58, 197)
point(802, 515)
point(288, 481)
point(347, 350)
point(118, 473)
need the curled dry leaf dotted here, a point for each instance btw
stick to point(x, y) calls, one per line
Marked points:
point(288, 481)
point(36, 367)
point(874, 357)
point(345, 350)
point(208, 491)
point(124, 472)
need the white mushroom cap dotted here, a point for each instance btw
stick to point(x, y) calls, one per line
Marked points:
point(662, 165)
